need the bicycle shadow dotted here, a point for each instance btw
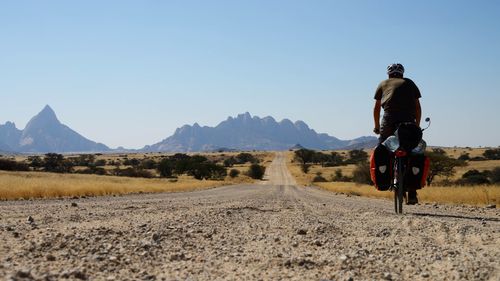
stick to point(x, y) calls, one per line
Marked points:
point(488, 219)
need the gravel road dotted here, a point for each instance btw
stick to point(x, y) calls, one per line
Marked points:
point(269, 231)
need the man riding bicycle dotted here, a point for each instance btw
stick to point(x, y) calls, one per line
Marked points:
point(399, 97)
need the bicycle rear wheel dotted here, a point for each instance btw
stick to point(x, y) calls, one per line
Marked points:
point(399, 190)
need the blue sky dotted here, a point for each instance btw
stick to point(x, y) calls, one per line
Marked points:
point(128, 73)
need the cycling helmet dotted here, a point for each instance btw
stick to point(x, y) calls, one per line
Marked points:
point(395, 68)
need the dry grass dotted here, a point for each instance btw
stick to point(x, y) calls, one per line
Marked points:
point(474, 195)
point(25, 185)
point(471, 195)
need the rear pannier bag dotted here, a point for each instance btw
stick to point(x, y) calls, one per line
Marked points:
point(381, 167)
point(416, 171)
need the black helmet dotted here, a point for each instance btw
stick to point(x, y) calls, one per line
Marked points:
point(395, 68)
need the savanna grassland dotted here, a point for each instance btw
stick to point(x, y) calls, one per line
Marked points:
point(117, 174)
point(443, 189)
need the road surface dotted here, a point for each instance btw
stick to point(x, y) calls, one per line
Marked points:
point(270, 231)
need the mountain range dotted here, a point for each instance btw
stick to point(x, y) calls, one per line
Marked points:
point(253, 133)
point(45, 133)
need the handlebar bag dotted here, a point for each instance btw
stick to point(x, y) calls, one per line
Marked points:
point(409, 135)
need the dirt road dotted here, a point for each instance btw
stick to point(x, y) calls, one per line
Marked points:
point(271, 231)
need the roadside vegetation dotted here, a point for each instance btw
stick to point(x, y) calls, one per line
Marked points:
point(457, 175)
point(56, 175)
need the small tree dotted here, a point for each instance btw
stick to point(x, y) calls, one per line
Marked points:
point(357, 156)
point(234, 173)
point(304, 156)
point(495, 175)
point(54, 162)
point(361, 173)
point(492, 154)
point(256, 171)
point(474, 177)
point(166, 168)
point(319, 177)
point(441, 164)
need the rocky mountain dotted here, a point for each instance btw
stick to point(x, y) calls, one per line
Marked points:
point(45, 133)
point(253, 133)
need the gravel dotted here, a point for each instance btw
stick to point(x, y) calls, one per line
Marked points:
point(248, 232)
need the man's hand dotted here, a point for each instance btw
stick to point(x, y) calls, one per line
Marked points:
point(376, 130)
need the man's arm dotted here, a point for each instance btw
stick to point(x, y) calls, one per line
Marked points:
point(376, 116)
point(418, 112)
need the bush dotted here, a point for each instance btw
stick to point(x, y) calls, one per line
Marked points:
point(474, 177)
point(357, 156)
point(93, 171)
point(361, 173)
point(441, 164)
point(100, 163)
point(338, 176)
point(133, 173)
point(256, 171)
point(11, 165)
point(319, 178)
point(243, 158)
point(464, 157)
point(495, 175)
point(53, 162)
point(492, 154)
point(305, 168)
point(207, 170)
point(234, 173)
point(166, 168)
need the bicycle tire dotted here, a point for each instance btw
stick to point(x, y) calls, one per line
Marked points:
point(398, 187)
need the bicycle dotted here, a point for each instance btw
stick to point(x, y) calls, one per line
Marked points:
point(406, 141)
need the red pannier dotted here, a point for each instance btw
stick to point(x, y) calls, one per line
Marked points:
point(381, 167)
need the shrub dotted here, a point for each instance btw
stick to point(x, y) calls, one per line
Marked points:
point(357, 156)
point(495, 175)
point(93, 170)
point(246, 158)
point(148, 164)
point(229, 162)
point(56, 163)
point(207, 170)
point(256, 171)
point(441, 164)
point(166, 167)
point(305, 168)
point(319, 178)
point(474, 177)
point(133, 173)
point(100, 163)
point(464, 157)
point(35, 162)
point(11, 165)
point(338, 176)
point(234, 173)
point(492, 154)
point(361, 173)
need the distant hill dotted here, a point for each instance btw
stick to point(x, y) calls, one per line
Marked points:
point(253, 133)
point(44, 133)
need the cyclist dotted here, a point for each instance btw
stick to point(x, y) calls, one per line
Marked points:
point(399, 97)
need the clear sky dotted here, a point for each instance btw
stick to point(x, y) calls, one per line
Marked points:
point(128, 73)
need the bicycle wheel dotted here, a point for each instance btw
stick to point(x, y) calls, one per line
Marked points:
point(395, 185)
